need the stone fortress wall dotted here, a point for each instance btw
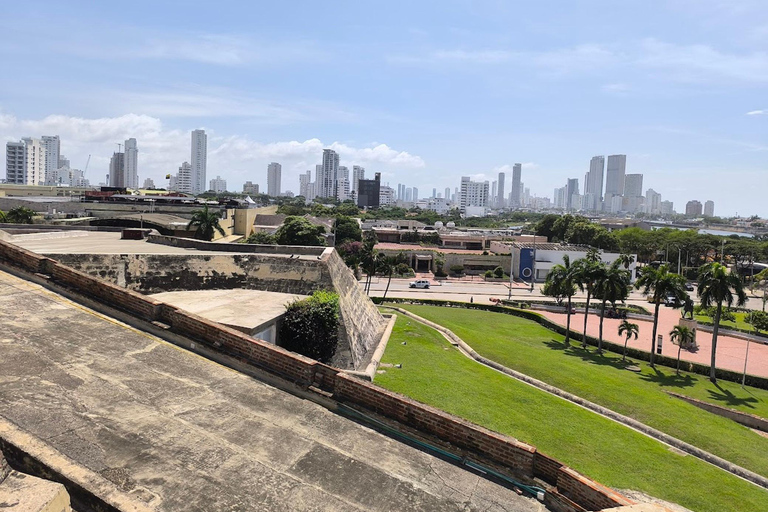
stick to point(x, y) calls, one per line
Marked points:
point(569, 491)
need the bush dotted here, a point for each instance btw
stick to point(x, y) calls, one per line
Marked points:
point(261, 237)
point(498, 272)
point(488, 274)
point(311, 326)
point(457, 269)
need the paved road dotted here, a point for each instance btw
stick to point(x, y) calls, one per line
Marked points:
point(179, 432)
point(731, 352)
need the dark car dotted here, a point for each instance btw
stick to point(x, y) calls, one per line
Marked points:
point(689, 287)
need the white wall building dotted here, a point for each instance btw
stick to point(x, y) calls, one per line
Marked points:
point(199, 161)
point(358, 173)
point(473, 193)
point(274, 178)
point(149, 183)
point(386, 195)
point(329, 170)
point(218, 185)
point(184, 180)
point(652, 202)
point(52, 152)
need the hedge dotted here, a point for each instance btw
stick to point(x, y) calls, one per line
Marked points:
point(662, 360)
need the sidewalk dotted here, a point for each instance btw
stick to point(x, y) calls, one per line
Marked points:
point(730, 351)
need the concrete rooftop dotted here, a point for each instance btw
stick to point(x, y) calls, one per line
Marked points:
point(176, 431)
point(242, 309)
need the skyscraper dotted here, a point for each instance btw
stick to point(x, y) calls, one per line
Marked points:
point(326, 181)
point(415, 194)
point(199, 161)
point(447, 193)
point(274, 172)
point(472, 193)
point(652, 202)
point(709, 208)
point(693, 208)
point(218, 185)
point(614, 179)
point(131, 164)
point(117, 170)
point(593, 183)
point(304, 180)
point(358, 173)
point(633, 185)
point(500, 191)
point(517, 171)
point(52, 151)
point(572, 189)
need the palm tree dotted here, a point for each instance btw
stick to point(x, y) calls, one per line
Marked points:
point(611, 285)
point(717, 285)
point(680, 335)
point(388, 264)
point(660, 283)
point(626, 260)
point(587, 270)
point(628, 329)
point(561, 282)
point(207, 223)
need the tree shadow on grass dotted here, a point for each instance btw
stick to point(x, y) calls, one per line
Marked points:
point(576, 351)
point(671, 380)
point(728, 398)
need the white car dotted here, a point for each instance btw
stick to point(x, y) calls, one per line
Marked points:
point(421, 283)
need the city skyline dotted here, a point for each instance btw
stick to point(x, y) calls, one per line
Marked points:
point(686, 106)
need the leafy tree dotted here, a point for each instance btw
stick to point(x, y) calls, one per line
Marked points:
point(758, 320)
point(611, 285)
point(261, 237)
point(346, 229)
point(311, 326)
point(352, 254)
point(347, 209)
point(718, 286)
point(681, 336)
point(207, 223)
point(627, 329)
point(369, 257)
point(20, 215)
point(299, 231)
point(545, 226)
point(658, 283)
point(562, 282)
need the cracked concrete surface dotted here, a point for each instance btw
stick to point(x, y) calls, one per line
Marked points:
point(179, 432)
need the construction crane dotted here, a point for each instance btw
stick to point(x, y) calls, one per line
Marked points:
point(86, 165)
point(119, 147)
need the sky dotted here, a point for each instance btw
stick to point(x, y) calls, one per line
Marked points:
point(423, 92)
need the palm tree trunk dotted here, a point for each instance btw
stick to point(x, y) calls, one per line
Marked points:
point(715, 330)
point(624, 357)
point(679, 348)
point(600, 337)
point(655, 326)
point(586, 315)
point(568, 324)
point(389, 280)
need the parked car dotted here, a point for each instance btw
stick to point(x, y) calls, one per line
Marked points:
point(672, 301)
point(689, 287)
point(421, 283)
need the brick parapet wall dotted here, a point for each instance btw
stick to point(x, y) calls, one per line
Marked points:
point(191, 243)
point(519, 458)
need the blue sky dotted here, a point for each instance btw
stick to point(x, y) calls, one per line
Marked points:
point(424, 92)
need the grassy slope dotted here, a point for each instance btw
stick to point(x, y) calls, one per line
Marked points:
point(531, 349)
point(435, 373)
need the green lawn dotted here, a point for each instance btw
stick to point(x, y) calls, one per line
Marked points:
point(435, 373)
point(739, 323)
point(526, 346)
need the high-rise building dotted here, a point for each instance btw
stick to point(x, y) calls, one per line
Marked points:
point(517, 173)
point(386, 196)
point(368, 192)
point(500, 191)
point(473, 193)
point(274, 172)
point(117, 170)
point(667, 208)
point(131, 164)
point(494, 193)
point(693, 208)
point(560, 197)
point(304, 180)
point(251, 188)
point(615, 172)
point(358, 173)
point(183, 181)
point(199, 161)
point(149, 183)
point(343, 186)
point(572, 190)
point(415, 194)
point(652, 202)
point(52, 152)
point(447, 193)
point(218, 185)
point(326, 180)
point(633, 185)
point(15, 170)
point(709, 208)
point(593, 184)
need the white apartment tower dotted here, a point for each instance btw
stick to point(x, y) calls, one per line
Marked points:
point(218, 185)
point(652, 202)
point(358, 173)
point(593, 184)
point(131, 164)
point(709, 208)
point(614, 178)
point(52, 152)
point(15, 168)
point(304, 180)
point(326, 179)
point(117, 170)
point(274, 176)
point(517, 171)
point(199, 161)
point(184, 179)
point(342, 183)
point(472, 193)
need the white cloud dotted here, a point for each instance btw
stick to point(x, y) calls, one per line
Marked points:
point(161, 150)
point(757, 112)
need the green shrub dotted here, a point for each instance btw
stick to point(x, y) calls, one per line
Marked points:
point(311, 326)
point(457, 269)
point(488, 273)
point(498, 272)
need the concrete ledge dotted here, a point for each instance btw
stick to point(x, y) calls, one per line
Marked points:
point(191, 243)
point(370, 371)
point(749, 420)
point(87, 489)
